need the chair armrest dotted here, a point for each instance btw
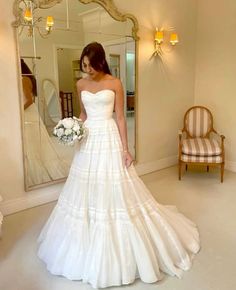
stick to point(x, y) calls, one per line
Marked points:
point(222, 141)
point(222, 138)
point(180, 133)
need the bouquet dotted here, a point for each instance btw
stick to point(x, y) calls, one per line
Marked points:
point(68, 130)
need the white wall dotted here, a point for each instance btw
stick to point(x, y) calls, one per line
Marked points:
point(65, 70)
point(216, 68)
point(165, 86)
point(11, 164)
point(165, 92)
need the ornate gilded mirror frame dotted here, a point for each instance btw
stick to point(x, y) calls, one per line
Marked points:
point(112, 10)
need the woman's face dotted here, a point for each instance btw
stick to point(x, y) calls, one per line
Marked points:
point(88, 69)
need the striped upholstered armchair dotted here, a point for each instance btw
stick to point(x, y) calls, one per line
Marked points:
point(199, 143)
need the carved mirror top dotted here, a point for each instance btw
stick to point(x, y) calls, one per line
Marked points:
point(108, 5)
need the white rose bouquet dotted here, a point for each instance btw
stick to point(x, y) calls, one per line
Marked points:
point(68, 130)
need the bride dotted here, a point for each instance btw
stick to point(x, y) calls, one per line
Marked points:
point(44, 163)
point(107, 229)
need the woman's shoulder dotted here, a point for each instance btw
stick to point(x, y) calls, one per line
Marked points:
point(116, 83)
point(114, 80)
point(109, 77)
point(81, 83)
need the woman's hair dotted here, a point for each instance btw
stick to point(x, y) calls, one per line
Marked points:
point(25, 71)
point(97, 58)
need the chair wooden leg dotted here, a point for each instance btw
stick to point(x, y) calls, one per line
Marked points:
point(186, 167)
point(207, 168)
point(180, 169)
point(222, 172)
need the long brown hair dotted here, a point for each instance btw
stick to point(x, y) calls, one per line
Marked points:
point(97, 58)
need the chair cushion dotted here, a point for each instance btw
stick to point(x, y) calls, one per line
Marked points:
point(201, 159)
point(201, 147)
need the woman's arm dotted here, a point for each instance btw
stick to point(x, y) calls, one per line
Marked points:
point(83, 115)
point(27, 90)
point(121, 122)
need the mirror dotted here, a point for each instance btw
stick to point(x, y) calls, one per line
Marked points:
point(51, 100)
point(52, 58)
point(52, 105)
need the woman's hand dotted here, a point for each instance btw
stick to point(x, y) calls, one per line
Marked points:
point(128, 159)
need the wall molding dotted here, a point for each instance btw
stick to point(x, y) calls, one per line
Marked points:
point(230, 165)
point(148, 167)
point(46, 195)
point(31, 199)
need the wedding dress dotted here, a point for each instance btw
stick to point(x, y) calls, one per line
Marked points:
point(43, 160)
point(107, 229)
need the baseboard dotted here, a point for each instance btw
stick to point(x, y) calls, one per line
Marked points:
point(230, 165)
point(31, 199)
point(145, 168)
point(45, 195)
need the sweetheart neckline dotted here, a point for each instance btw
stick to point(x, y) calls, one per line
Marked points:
point(97, 91)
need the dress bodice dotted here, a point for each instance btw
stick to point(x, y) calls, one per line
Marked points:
point(99, 105)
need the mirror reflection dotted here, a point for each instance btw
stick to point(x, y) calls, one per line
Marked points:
point(51, 101)
point(42, 159)
point(53, 69)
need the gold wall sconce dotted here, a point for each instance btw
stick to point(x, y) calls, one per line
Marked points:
point(159, 40)
point(27, 9)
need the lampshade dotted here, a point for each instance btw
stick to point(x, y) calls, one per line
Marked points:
point(159, 36)
point(28, 15)
point(174, 38)
point(50, 21)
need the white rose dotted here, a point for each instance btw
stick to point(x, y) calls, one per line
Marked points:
point(76, 127)
point(68, 123)
point(60, 132)
point(58, 124)
point(68, 132)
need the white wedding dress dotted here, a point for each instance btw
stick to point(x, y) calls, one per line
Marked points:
point(43, 160)
point(107, 229)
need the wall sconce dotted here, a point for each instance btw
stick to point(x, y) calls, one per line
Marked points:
point(27, 9)
point(159, 40)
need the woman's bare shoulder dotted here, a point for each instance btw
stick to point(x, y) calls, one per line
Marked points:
point(81, 83)
point(116, 83)
point(111, 78)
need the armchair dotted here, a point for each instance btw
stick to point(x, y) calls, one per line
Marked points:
point(198, 142)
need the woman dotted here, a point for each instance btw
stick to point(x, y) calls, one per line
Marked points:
point(106, 228)
point(43, 162)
